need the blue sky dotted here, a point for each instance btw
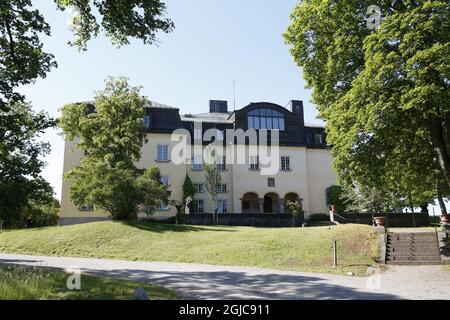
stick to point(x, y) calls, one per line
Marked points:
point(215, 41)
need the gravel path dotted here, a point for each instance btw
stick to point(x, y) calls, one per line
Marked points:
point(195, 281)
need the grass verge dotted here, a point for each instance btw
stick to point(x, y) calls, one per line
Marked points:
point(297, 249)
point(25, 283)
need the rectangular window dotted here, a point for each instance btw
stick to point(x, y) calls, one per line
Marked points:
point(222, 206)
point(254, 163)
point(199, 206)
point(164, 206)
point(163, 153)
point(285, 164)
point(276, 122)
point(222, 163)
point(222, 188)
point(263, 122)
point(318, 138)
point(281, 124)
point(197, 134)
point(251, 122)
point(197, 163)
point(199, 187)
point(271, 182)
point(220, 136)
point(165, 180)
point(87, 207)
point(269, 122)
point(147, 121)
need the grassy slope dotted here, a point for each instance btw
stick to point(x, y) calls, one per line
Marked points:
point(20, 283)
point(299, 249)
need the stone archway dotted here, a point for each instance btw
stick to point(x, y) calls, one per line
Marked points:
point(291, 196)
point(250, 203)
point(271, 203)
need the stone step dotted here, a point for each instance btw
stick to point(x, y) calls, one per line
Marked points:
point(414, 256)
point(412, 238)
point(417, 263)
point(417, 248)
point(412, 250)
point(409, 243)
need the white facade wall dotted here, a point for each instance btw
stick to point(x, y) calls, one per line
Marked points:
point(310, 175)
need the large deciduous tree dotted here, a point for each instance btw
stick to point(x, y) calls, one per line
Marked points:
point(383, 91)
point(23, 60)
point(111, 133)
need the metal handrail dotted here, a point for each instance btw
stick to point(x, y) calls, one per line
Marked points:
point(437, 236)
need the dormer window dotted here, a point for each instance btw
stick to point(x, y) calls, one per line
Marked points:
point(318, 139)
point(265, 119)
point(147, 121)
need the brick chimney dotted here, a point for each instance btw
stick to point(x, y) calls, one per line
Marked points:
point(296, 107)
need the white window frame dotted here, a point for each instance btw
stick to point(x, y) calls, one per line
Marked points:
point(165, 180)
point(285, 163)
point(222, 188)
point(162, 152)
point(254, 163)
point(222, 205)
point(196, 206)
point(199, 187)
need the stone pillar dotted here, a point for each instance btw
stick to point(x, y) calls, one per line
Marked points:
point(261, 205)
point(281, 203)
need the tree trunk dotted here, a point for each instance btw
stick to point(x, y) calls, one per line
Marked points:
point(438, 141)
point(441, 204)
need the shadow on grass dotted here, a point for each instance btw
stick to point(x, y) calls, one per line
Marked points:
point(155, 226)
point(230, 284)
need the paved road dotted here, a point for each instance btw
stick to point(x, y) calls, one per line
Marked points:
point(195, 281)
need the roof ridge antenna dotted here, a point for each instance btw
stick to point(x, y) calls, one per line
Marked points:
point(234, 95)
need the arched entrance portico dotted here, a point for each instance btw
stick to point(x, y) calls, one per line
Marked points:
point(271, 203)
point(250, 203)
point(291, 196)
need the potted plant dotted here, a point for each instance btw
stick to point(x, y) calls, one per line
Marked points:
point(380, 221)
point(445, 218)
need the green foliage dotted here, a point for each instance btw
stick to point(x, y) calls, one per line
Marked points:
point(23, 60)
point(27, 283)
point(335, 195)
point(364, 199)
point(383, 92)
point(188, 189)
point(21, 56)
point(213, 179)
point(296, 249)
point(294, 207)
point(112, 136)
point(21, 162)
point(140, 19)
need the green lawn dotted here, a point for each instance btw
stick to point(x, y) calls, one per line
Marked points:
point(298, 249)
point(24, 283)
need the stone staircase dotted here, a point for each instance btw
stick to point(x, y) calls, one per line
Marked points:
point(412, 248)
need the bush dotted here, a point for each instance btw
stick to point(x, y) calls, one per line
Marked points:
point(319, 217)
point(42, 215)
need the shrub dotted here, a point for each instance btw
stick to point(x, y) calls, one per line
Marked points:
point(318, 217)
